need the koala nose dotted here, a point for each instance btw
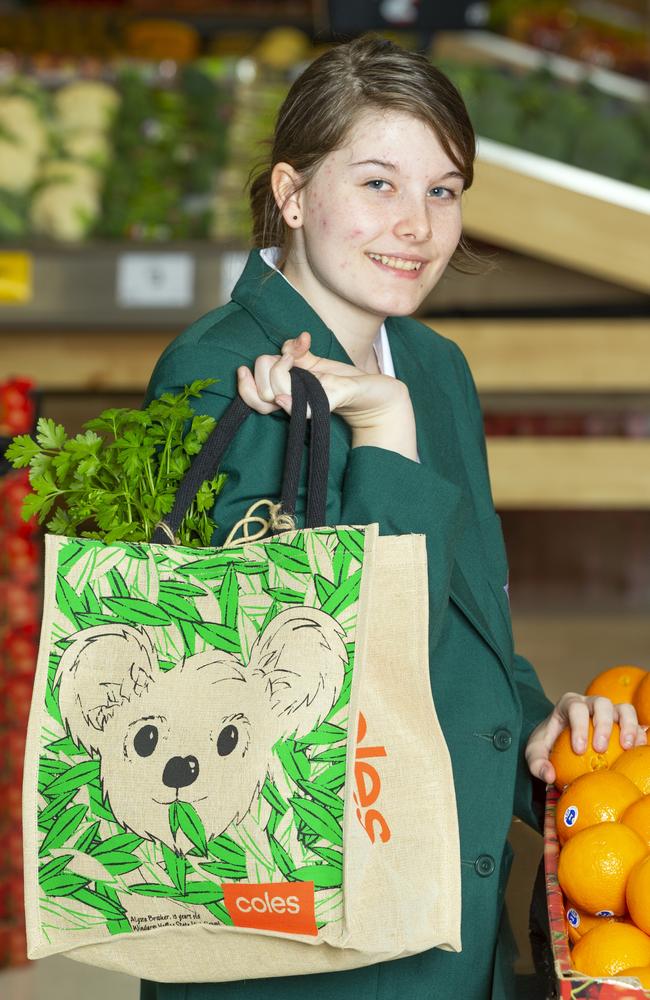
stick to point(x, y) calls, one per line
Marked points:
point(180, 771)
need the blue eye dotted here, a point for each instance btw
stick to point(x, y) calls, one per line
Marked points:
point(452, 194)
point(376, 181)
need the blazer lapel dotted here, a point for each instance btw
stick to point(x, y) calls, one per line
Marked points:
point(439, 447)
point(283, 313)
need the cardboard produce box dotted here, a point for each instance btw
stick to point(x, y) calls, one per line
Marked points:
point(572, 985)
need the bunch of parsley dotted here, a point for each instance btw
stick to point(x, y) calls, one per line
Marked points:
point(119, 478)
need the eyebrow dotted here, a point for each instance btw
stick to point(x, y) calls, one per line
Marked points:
point(394, 167)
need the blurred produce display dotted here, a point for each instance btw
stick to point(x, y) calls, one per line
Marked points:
point(149, 140)
point(20, 601)
point(135, 158)
point(574, 123)
point(607, 34)
point(169, 142)
point(47, 34)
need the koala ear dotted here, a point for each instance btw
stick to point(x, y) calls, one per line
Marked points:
point(300, 659)
point(101, 669)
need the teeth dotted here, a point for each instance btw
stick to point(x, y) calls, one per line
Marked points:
point(401, 265)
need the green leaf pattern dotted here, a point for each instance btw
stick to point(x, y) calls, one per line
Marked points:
point(189, 601)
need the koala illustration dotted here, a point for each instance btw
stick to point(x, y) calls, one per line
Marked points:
point(202, 731)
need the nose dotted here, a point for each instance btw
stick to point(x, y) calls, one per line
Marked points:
point(180, 772)
point(414, 220)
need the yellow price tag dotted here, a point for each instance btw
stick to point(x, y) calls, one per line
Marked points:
point(16, 284)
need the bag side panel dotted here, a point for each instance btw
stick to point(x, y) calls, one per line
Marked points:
point(402, 874)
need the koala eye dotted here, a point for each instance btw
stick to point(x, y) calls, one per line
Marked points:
point(227, 740)
point(145, 741)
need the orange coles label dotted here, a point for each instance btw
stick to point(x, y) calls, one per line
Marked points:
point(368, 786)
point(287, 907)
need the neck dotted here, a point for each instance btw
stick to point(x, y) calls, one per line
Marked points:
point(355, 329)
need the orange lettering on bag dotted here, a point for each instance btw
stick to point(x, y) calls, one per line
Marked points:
point(287, 907)
point(368, 785)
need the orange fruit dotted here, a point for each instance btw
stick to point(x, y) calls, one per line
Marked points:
point(641, 700)
point(637, 816)
point(595, 864)
point(579, 921)
point(618, 683)
point(640, 972)
point(635, 765)
point(569, 765)
point(637, 894)
point(597, 797)
point(609, 948)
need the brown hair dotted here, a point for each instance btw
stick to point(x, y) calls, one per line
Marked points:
point(325, 101)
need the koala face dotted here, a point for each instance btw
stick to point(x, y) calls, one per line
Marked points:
point(203, 731)
point(195, 737)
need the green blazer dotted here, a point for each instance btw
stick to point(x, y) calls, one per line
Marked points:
point(488, 699)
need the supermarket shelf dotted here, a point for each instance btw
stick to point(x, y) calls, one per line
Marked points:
point(557, 355)
point(77, 286)
point(506, 356)
point(571, 473)
point(84, 360)
point(488, 47)
point(560, 213)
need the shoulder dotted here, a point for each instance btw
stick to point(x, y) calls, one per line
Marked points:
point(212, 347)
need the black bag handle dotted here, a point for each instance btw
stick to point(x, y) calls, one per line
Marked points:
point(305, 387)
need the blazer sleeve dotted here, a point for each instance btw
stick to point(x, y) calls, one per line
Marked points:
point(529, 794)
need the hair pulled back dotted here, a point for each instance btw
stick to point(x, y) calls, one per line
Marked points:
point(325, 101)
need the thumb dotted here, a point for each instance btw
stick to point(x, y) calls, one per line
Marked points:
point(298, 346)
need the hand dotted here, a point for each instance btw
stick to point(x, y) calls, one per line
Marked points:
point(575, 710)
point(377, 407)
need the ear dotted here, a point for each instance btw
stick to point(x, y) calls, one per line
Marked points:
point(103, 668)
point(285, 181)
point(300, 659)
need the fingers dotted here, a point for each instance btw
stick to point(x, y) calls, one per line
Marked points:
point(270, 380)
point(577, 715)
point(247, 389)
point(603, 719)
point(537, 759)
point(297, 346)
point(632, 734)
point(539, 746)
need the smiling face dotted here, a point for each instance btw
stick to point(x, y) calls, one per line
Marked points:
point(377, 223)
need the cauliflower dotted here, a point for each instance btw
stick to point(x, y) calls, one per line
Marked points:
point(86, 104)
point(18, 166)
point(71, 172)
point(84, 144)
point(64, 211)
point(21, 123)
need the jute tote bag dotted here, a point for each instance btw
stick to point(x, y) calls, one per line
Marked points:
point(234, 767)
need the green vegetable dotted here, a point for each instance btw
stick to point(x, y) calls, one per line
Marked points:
point(119, 478)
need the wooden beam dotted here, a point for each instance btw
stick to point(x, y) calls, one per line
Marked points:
point(570, 472)
point(83, 361)
point(559, 213)
point(554, 355)
point(523, 355)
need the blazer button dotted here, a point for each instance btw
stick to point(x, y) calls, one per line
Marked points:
point(484, 865)
point(502, 739)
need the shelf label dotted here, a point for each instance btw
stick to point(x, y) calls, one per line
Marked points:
point(155, 280)
point(16, 278)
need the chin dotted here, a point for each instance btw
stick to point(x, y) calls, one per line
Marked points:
point(398, 306)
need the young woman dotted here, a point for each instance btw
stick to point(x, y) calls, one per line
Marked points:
point(356, 217)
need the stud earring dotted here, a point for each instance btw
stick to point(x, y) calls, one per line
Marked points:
point(295, 218)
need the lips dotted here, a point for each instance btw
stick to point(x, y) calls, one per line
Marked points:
point(403, 265)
